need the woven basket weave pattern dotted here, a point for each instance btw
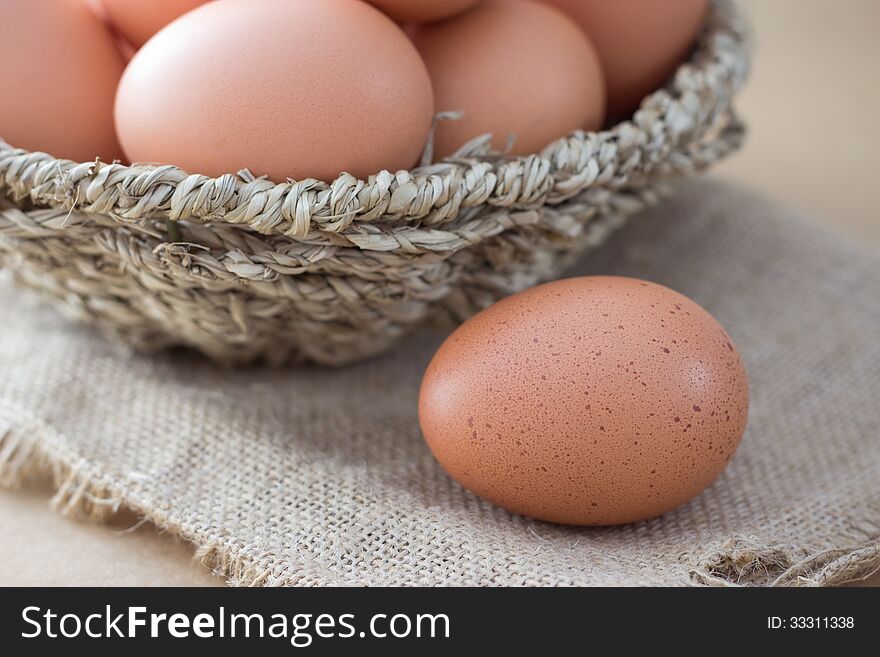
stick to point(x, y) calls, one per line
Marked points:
point(243, 269)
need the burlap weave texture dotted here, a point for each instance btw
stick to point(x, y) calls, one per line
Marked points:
point(309, 476)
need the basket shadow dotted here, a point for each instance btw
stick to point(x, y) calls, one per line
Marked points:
point(361, 420)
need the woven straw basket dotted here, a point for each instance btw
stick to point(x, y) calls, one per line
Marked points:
point(243, 269)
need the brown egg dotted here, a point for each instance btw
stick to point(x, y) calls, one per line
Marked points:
point(422, 11)
point(587, 401)
point(285, 88)
point(59, 68)
point(138, 20)
point(640, 43)
point(514, 67)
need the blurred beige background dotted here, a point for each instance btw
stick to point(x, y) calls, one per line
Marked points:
point(812, 107)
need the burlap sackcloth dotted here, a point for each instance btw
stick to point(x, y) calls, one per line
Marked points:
point(318, 476)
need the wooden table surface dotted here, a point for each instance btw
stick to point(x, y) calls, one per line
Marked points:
point(811, 106)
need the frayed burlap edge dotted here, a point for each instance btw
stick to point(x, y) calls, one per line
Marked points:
point(33, 450)
point(741, 561)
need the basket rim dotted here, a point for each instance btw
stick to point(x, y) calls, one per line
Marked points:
point(681, 116)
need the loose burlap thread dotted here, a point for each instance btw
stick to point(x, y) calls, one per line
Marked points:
point(311, 476)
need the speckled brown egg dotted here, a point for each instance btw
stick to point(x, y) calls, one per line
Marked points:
point(587, 401)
